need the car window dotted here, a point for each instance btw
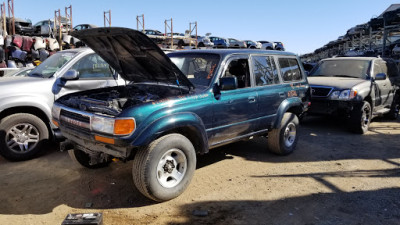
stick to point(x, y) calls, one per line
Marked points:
point(377, 69)
point(264, 70)
point(199, 68)
point(392, 69)
point(239, 68)
point(290, 69)
point(92, 66)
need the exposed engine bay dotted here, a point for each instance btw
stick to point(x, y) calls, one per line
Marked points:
point(112, 101)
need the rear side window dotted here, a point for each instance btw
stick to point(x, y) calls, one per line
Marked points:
point(290, 69)
point(264, 70)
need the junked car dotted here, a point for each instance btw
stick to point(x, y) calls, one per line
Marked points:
point(253, 44)
point(25, 102)
point(234, 43)
point(357, 88)
point(179, 105)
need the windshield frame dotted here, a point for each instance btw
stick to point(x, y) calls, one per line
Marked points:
point(364, 72)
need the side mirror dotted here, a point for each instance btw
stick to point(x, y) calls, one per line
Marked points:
point(70, 75)
point(228, 83)
point(380, 76)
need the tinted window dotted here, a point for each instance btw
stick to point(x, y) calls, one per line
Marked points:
point(92, 66)
point(264, 70)
point(290, 69)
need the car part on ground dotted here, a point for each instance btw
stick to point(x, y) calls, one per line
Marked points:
point(161, 119)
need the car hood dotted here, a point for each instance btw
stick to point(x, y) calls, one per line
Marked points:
point(133, 55)
point(337, 82)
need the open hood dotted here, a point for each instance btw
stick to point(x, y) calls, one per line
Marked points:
point(133, 55)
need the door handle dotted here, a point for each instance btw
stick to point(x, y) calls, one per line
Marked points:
point(252, 99)
point(282, 94)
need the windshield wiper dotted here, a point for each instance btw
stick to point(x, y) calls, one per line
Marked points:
point(35, 75)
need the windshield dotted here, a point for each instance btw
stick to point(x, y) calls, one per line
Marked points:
point(199, 68)
point(52, 64)
point(342, 68)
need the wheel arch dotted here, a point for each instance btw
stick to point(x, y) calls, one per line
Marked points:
point(292, 105)
point(186, 124)
point(30, 110)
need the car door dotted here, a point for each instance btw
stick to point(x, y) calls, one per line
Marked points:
point(383, 88)
point(234, 112)
point(94, 73)
point(269, 89)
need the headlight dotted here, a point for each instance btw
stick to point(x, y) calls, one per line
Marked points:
point(122, 126)
point(335, 95)
point(55, 111)
point(102, 124)
point(343, 95)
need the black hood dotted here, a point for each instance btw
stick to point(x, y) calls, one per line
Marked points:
point(133, 55)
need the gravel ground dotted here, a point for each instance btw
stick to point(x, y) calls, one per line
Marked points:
point(333, 177)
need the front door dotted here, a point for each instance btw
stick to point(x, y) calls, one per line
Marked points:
point(235, 111)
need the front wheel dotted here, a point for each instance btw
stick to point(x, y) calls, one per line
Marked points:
point(361, 118)
point(163, 170)
point(283, 140)
point(22, 136)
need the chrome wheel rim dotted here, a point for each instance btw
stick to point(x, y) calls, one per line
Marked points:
point(22, 138)
point(289, 135)
point(171, 168)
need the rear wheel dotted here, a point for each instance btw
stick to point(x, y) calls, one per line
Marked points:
point(283, 140)
point(163, 170)
point(361, 118)
point(22, 136)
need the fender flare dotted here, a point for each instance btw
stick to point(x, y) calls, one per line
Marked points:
point(284, 107)
point(173, 122)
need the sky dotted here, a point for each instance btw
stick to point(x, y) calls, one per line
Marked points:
point(301, 25)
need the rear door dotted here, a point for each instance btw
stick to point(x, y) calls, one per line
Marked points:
point(269, 89)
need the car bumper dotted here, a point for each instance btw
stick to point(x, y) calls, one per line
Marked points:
point(330, 107)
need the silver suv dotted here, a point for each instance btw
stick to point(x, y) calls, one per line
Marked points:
point(26, 102)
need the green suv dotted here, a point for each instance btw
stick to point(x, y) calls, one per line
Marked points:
point(179, 106)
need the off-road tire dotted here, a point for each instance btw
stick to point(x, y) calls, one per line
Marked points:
point(283, 140)
point(360, 118)
point(148, 161)
point(83, 159)
point(22, 128)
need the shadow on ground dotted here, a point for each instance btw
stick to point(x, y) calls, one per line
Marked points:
point(361, 207)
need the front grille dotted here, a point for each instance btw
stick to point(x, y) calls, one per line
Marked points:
point(320, 91)
point(75, 116)
point(75, 121)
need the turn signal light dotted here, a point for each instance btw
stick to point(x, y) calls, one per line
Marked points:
point(104, 139)
point(124, 126)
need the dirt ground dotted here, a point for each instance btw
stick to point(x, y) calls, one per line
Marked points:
point(333, 177)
